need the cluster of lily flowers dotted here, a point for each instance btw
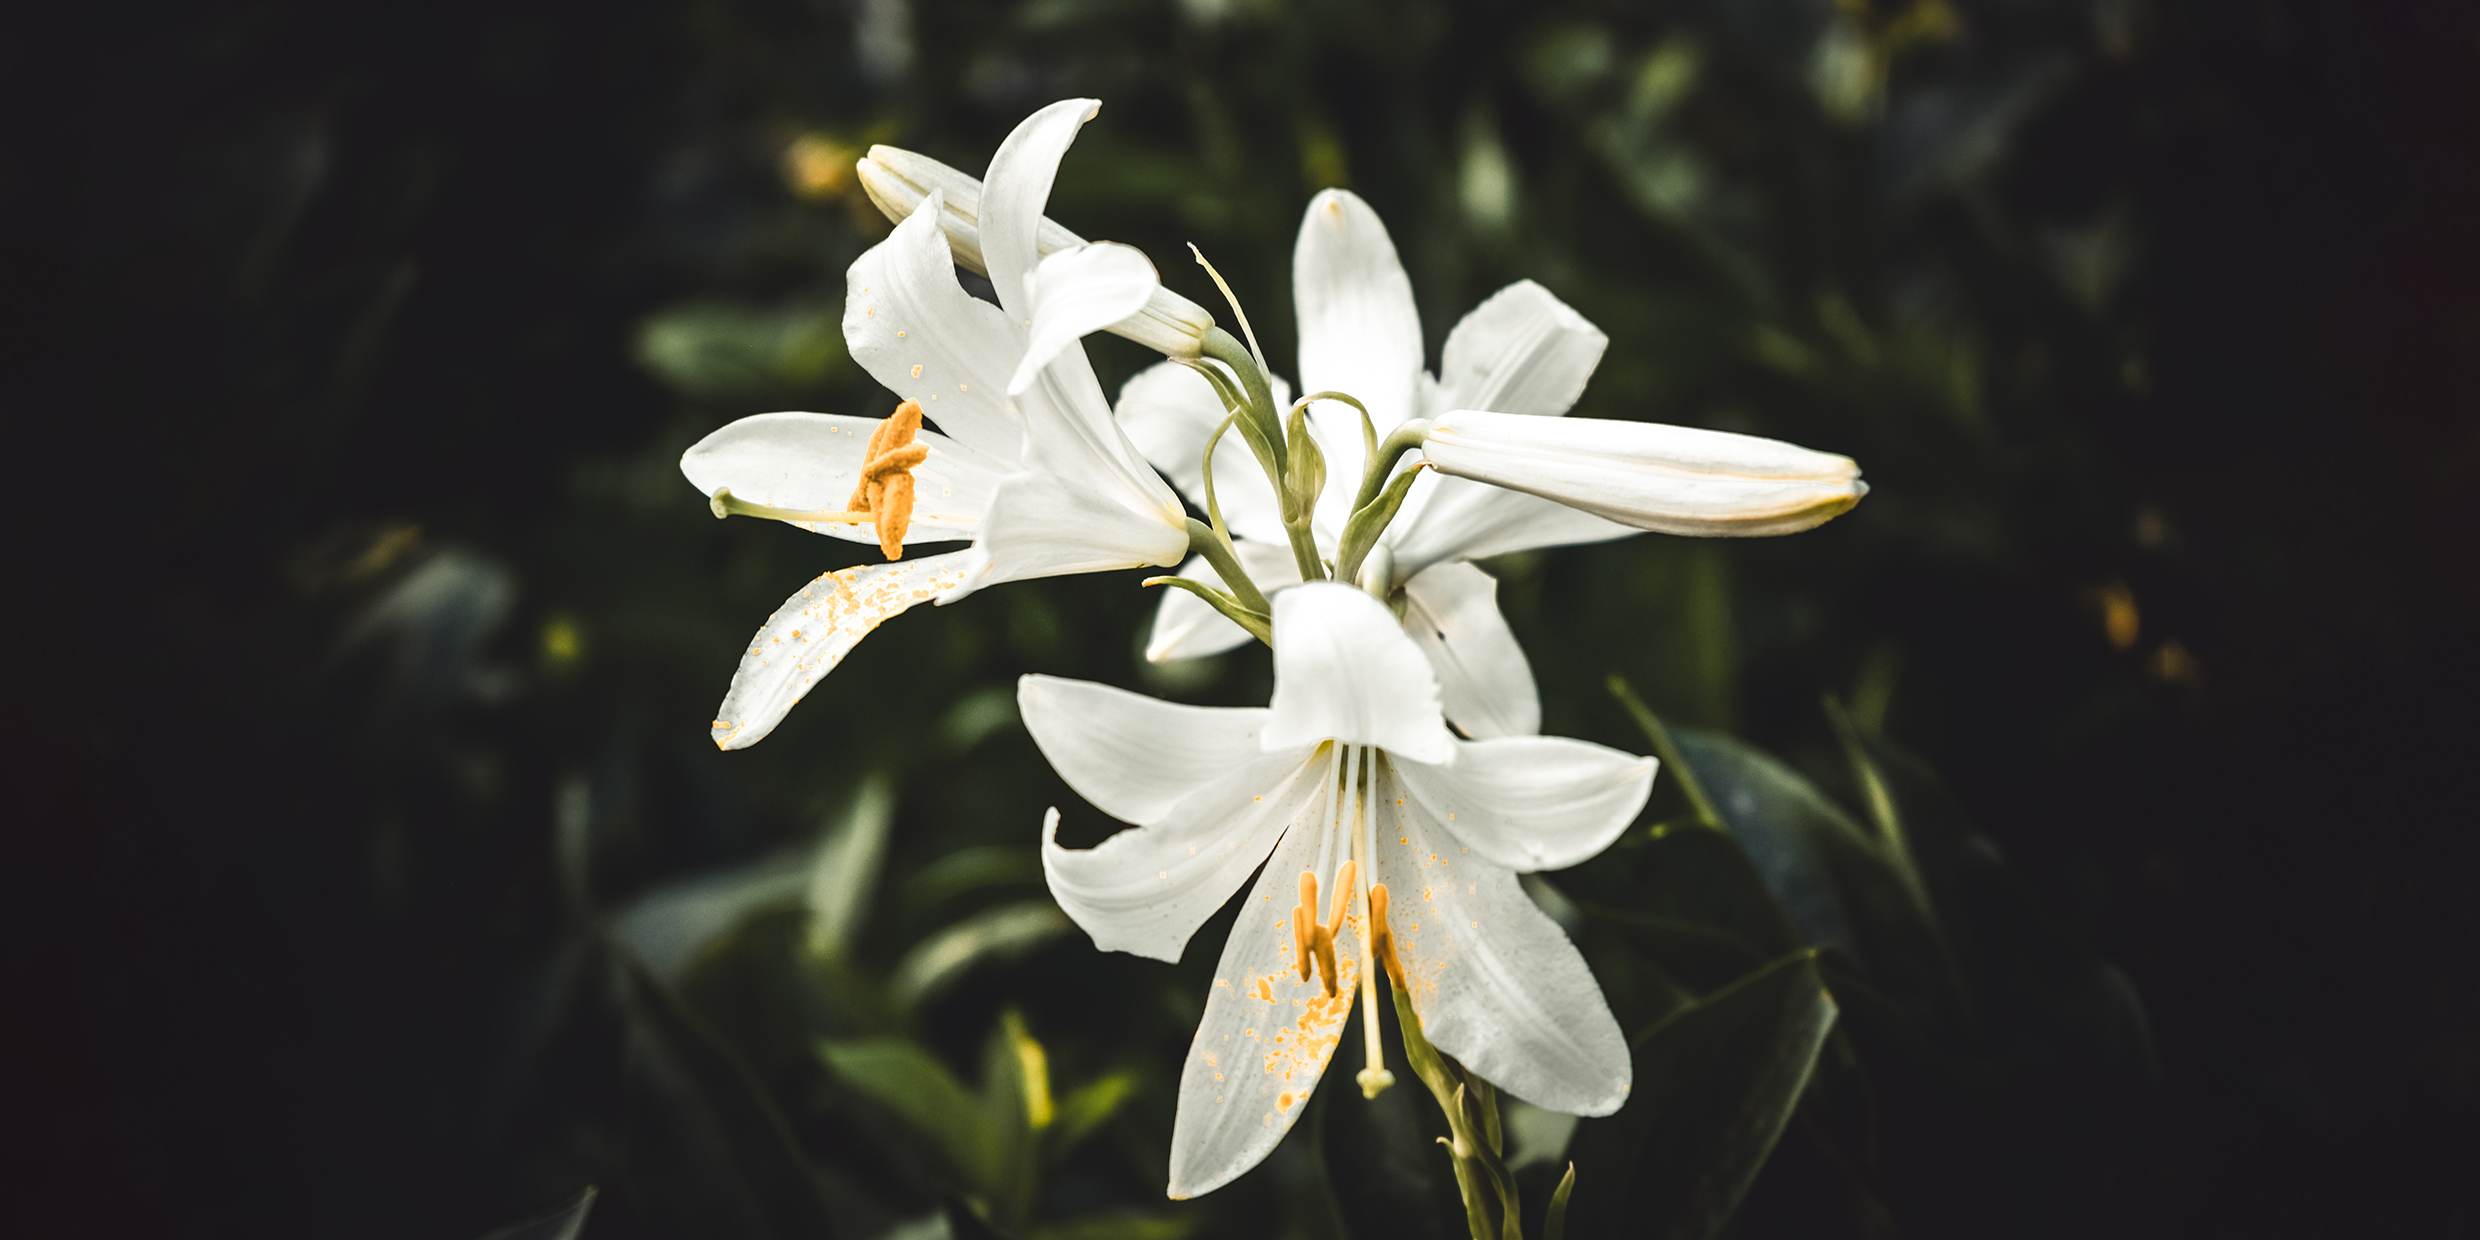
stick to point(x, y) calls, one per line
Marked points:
point(1398, 768)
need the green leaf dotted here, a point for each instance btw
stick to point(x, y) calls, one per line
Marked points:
point(719, 350)
point(998, 933)
point(1120, 1227)
point(913, 1084)
point(1715, 1084)
point(696, 1067)
point(1086, 1110)
point(561, 1224)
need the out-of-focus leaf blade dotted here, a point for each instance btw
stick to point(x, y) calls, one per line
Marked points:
point(719, 350)
point(913, 1084)
point(562, 1224)
point(1002, 932)
point(1715, 1084)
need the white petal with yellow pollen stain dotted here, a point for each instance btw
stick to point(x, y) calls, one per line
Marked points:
point(1267, 1036)
point(809, 462)
point(814, 630)
point(1495, 981)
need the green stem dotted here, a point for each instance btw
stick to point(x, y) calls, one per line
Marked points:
point(1667, 749)
point(1382, 460)
point(1554, 1225)
point(1216, 547)
point(1256, 623)
point(1222, 347)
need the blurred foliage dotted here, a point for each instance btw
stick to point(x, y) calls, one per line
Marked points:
point(374, 650)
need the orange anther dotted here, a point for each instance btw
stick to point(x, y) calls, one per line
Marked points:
point(1325, 943)
point(885, 488)
point(1382, 937)
point(1343, 894)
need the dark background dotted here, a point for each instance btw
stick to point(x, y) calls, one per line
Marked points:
point(2122, 305)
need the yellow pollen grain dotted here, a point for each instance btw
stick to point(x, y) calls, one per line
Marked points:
point(916, 370)
point(899, 335)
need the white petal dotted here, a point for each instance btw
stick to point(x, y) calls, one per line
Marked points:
point(1459, 519)
point(1267, 1036)
point(1344, 669)
point(814, 630)
point(897, 180)
point(1131, 755)
point(1186, 628)
point(917, 331)
point(1522, 351)
point(1484, 682)
point(1494, 980)
point(1674, 479)
point(810, 461)
point(1014, 191)
point(1076, 293)
point(1359, 331)
point(1169, 411)
point(1532, 802)
point(1041, 525)
point(1146, 890)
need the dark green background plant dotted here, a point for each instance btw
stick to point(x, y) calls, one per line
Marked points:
point(383, 879)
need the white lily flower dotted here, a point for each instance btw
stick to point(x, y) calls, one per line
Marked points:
point(899, 181)
point(1026, 461)
point(1348, 778)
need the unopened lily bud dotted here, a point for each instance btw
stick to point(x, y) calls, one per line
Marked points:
point(897, 180)
point(1671, 479)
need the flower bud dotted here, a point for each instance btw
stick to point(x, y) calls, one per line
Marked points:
point(1671, 479)
point(897, 180)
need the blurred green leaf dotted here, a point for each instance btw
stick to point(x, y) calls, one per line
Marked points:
point(846, 870)
point(561, 1224)
point(971, 869)
point(1002, 932)
point(1086, 1110)
point(759, 1145)
point(1119, 1227)
point(1715, 1084)
point(912, 1083)
point(714, 350)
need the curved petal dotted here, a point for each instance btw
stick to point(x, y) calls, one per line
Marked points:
point(1495, 981)
point(1267, 1036)
point(1674, 479)
point(1044, 526)
point(1359, 330)
point(810, 461)
point(1345, 670)
point(1529, 803)
point(1134, 756)
point(1169, 412)
point(1186, 628)
point(917, 331)
point(1522, 351)
point(814, 630)
point(1146, 890)
point(1077, 293)
point(1459, 519)
point(1014, 191)
point(1484, 682)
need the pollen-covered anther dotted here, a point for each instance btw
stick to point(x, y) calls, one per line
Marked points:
point(1313, 943)
point(885, 489)
point(1382, 938)
point(1343, 897)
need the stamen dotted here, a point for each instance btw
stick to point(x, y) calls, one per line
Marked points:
point(1343, 895)
point(1304, 943)
point(1382, 937)
point(1325, 944)
point(883, 496)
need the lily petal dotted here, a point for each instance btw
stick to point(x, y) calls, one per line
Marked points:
point(917, 331)
point(1344, 669)
point(1484, 681)
point(1459, 519)
point(1495, 982)
point(1529, 803)
point(1014, 191)
point(1267, 1036)
point(897, 180)
point(1186, 628)
point(814, 630)
point(1169, 411)
point(810, 461)
point(1146, 890)
point(1522, 351)
point(1078, 292)
point(1359, 330)
point(1134, 756)
point(1041, 525)
point(1674, 479)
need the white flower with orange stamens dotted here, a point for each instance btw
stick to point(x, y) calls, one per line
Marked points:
point(1348, 782)
point(1026, 461)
